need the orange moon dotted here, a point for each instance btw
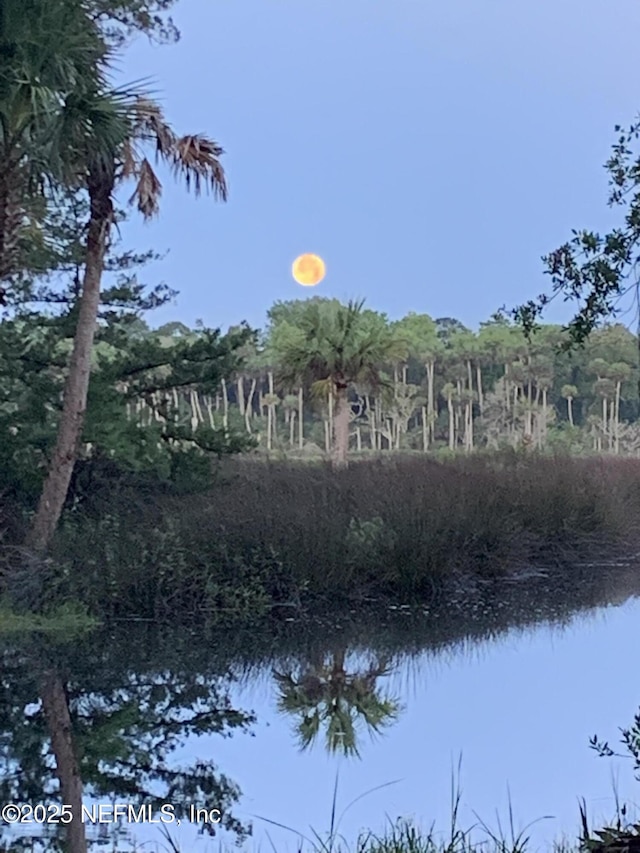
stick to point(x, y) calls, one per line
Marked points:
point(308, 270)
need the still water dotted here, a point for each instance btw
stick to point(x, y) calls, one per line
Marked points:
point(506, 683)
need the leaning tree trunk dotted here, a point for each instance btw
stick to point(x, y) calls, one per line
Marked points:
point(248, 411)
point(341, 426)
point(56, 485)
point(58, 718)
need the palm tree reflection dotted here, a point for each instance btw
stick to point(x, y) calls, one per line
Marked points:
point(325, 696)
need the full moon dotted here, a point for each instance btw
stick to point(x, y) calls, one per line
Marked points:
point(308, 270)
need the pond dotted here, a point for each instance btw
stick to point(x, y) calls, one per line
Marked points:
point(496, 690)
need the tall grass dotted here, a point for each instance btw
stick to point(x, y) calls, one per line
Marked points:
point(279, 534)
point(404, 835)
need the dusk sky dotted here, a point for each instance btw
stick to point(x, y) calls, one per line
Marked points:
point(430, 152)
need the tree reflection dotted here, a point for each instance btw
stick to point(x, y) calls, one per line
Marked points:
point(107, 718)
point(325, 696)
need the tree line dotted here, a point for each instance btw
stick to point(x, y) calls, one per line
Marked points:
point(418, 383)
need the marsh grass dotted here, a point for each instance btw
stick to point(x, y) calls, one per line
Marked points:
point(282, 536)
point(403, 835)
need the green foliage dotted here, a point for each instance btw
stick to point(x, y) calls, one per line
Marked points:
point(144, 565)
point(597, 270)
point(131, 364)
point(128, 718)
point(369, 543)
point(336, 344)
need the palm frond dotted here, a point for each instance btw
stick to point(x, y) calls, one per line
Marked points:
point(196, 159)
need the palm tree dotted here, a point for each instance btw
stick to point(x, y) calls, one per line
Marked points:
point(47, 52)
point(569, 393)
point(109, 129)
point(449, 392)
point(325, 695)
point(333, 348)
point(619, 372)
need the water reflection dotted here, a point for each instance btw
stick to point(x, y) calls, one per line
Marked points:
point(147, 705)
point(324, 695)
point(85, 720)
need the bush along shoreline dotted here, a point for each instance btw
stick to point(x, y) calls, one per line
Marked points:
point(285, 537)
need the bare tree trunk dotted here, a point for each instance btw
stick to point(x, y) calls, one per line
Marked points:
point(570, 410)
point(425, 430)
point(56, 712)
point(292, 428)
point(331, 411)
point(249, 407)
point(470, 426)
point(480, 391)
point(240, 386)
point(379, 423)
point(452, 433)
point(300, 418)
point(193, 401)
point(341, 427)
point(225, 404)
point(209, 404)
point(56, 485)
point(430, 398)
point(617, 417)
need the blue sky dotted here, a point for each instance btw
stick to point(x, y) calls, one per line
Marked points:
point(430, 152)
point(513, 708)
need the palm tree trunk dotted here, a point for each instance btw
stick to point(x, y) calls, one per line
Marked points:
point(300, 418)
point(452, 434)
point(480, 391)
point(617, 417)
point(209, 404)
point(292, 427)
point(425, 430)
point(58, 718)
point(341, 427)
point(240, 385)
point(225, 404)
point(570, 410)
point(248, 411)
point(430, 397)
point(331, 411)
point(56, 485)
